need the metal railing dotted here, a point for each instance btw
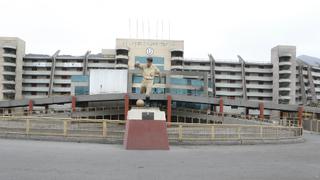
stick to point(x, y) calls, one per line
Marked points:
point(210, 117)
point(114, 130)
point(66, 127)
point(225, 132)
point(311, 125)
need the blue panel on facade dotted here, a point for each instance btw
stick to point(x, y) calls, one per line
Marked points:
point(191, 105)
point(178, 81)
point(81, 90)
point(190, 82)
point(136, 79)
point(143, 60)
point(136, 90)
point(161, 68)
point(158, 90)
point(197, 82)
point(157, 61)
point(79, 78)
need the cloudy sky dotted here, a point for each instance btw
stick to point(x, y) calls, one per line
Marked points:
point(225, 28)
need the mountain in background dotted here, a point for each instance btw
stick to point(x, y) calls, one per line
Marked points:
point(313, 61)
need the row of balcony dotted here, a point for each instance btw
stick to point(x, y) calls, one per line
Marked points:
point(46, 89)
point(259, 94)
point(47, 81)
point(9, 55)
point(57, 72)
point(68, 65)
point(258, 70)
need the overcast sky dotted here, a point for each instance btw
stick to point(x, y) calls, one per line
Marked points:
point(224, 28)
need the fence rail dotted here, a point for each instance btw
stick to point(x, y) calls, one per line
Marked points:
point(312, 125)
point(114, 129)
point(201, 116)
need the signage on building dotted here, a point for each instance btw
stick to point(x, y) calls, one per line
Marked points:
point(149, 51)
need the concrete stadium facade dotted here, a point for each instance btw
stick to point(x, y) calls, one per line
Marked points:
point(286, 79)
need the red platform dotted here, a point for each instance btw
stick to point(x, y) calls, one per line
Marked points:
point(146, 135)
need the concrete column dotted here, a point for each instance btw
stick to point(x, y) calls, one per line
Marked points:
point(212, 71)
point(167, 85)
point(73, 103)
point(30, 107)
point(300, 116)
point(85, 63)
point(221, 105)
point(243, 76)
point(205, 84)
point(169, 101)
point(261, 109)
point(302, 85)
point(53, 66)
point(312, 86)
point(46, 108)
point(126, 106)
point(129, 87)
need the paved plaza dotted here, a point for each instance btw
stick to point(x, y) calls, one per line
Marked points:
point(30, 160)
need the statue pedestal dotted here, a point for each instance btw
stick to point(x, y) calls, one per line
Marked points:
point(146, 129)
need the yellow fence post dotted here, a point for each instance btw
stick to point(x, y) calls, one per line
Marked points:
point(180, 132)
point(238, 131)
point(261, 132)
point(212, 132)
point(104, 128)
point(27, 126)
point(65, 127)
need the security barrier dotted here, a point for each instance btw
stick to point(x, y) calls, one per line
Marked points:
point(113, 130)
point(312, 125)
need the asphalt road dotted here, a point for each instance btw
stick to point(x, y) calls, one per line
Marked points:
point(32, 160)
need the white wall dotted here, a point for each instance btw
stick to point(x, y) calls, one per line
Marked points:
point(104, 81)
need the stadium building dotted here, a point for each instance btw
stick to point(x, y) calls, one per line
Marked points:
point(286, 79)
